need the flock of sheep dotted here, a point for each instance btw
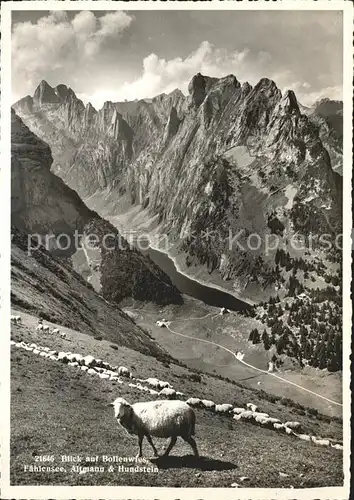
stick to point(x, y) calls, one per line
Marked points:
point(163, 389)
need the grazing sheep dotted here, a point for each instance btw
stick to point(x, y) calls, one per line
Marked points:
point(304, 437)
point(247, 415)
point(337, 446)
point(55, 331)
point(91, 371)
point(16, 319)
point(124, 372)
point(164, 385)
point(157, 418)
point(151, 381)
point(208, 405)
point(168, 393)
point(195, 402)
point(237, 417)
point(39, 328)
point(295, 426)
point(223, 408)
point(322, 442)
point(89, 361)
point(63, 357)
point(238, 411)
point(261, 414)
point(45, 328)
point(261, 420)
point(278, 427)
point(288, 430)
point(251, 407)
point(103, 375)
point(62, 335)
point(273, 420)
point(152, 391)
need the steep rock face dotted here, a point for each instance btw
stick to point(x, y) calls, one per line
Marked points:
point(228, 157)
point(43, 204)
point(328, 116)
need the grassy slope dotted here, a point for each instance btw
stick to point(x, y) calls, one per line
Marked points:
point(57, 409)
point(45, 286)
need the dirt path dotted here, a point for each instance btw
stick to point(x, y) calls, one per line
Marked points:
point(249, 365)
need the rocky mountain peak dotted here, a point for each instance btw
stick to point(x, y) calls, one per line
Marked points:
point(289, 103)
point(45, 94)
point(268, 87)
point(198, 88)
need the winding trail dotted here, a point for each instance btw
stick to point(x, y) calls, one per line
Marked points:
point(251, 366)
point(238, 357)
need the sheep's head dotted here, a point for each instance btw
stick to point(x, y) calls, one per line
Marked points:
point(120, 406)
point(123, 412)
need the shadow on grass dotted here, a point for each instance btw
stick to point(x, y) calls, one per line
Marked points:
point(192, 462)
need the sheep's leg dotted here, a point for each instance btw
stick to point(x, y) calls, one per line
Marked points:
point(140, 454)
point(148, 437)
point(170, 446)
point(190, 440)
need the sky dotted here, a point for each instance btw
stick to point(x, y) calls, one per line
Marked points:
point(119, 55)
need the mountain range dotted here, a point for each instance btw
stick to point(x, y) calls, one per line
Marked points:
point(227, 158)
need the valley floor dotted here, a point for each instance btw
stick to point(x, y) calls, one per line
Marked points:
point(59, 410)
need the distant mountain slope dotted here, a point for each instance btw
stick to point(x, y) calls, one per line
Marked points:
point(41, 203)
point(46, 286)
point(226, 158)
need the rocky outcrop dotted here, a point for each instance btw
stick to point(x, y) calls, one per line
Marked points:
point(44, 207)
point(224, 158)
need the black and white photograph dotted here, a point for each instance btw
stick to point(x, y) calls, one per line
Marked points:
point(176, 313)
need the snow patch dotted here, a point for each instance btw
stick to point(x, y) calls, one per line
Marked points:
point(290, 193)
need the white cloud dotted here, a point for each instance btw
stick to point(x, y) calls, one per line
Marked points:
point(162, 76)
point(56, 46)
point(159, 75)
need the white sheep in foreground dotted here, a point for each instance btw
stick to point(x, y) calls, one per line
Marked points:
point(251, 407)
point(223, 408)
point(157, 418)
point(124, 372)
point(168, 393)
point(278, 427)
point(55, 331)
point(39, 328)
point(45, 328)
